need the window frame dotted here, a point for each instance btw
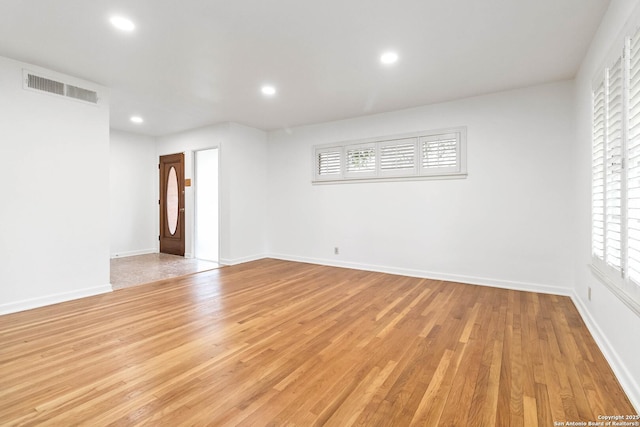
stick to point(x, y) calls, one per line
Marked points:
point(459, 171)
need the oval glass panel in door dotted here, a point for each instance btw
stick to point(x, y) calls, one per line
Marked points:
point(172, 201)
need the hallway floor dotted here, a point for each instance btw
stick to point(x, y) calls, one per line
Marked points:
point(140, 269)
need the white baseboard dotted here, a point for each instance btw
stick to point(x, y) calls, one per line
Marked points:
point(234, 261)
point(134, 253)
point(424, 274)
point(28, 304)
point(627, 381)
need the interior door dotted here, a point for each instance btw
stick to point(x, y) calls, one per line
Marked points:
point(172, 204)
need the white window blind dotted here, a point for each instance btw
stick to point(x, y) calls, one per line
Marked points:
point(439, 151)
point(616, 175)
point(598, 172)
point(614, 165)
point(398, 157)
point(633, 162)
point(409, 156)
point(328, 163)
point(361, 160)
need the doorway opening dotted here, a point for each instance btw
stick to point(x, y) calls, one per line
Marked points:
point(206, 236)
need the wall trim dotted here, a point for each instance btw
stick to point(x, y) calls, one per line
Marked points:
point(28, 304)
point(234, 261)
point(424, 274)
point(134, 253)
point(621, 289)
point(628, 383)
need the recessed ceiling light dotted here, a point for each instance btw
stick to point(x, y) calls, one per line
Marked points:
point(136, 119)
point(122, 23)
point(389, 58)
point(268, 90)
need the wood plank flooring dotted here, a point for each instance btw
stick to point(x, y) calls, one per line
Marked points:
point(281, 343)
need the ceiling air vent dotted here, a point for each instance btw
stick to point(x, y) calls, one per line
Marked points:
point(44, 84)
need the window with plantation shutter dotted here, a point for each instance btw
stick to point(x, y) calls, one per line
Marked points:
point(398, 157)
point(361, 160)
point(633, 162)
point(418, 155)
point(328, 163)
point(615, 175)
point(613, 194)
point(597, 188)
point(440, 152)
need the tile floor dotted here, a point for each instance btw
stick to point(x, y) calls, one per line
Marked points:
point(140, 269)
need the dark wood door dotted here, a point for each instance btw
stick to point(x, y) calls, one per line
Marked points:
point(172, 204)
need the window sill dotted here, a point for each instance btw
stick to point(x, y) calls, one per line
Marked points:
point(395, 178)
point(622, 295)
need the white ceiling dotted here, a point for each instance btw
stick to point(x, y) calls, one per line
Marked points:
point(190, 63)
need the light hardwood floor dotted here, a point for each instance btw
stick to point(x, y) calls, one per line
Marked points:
point(281, 343)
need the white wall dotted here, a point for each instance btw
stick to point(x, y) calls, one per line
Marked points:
point(507, 224)
point(244, 164)
point(133, 193)
point(613, 324)
point(242, 186)
point(54, 219)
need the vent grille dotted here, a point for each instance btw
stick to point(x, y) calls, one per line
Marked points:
point(59, 88)
point(40, 83)
point(82, 94)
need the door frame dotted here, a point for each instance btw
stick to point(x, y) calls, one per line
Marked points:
point(195, 200)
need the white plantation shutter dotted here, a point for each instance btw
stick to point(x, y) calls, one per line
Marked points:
point(633, 160)
point(417, 155)
point(361, 160)
point(615, 176)
point(613, 166)
point(328, 163)
point(440, 152)
point(398, 157)
point(597, 173)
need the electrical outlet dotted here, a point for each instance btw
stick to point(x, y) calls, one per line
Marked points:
point(336, 251)
point(589, 293)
